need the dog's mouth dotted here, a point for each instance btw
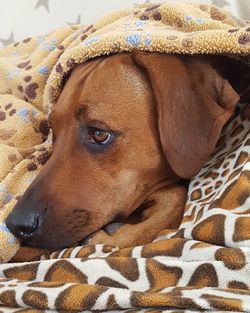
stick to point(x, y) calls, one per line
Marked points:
point(118, 221)
point(110, 229)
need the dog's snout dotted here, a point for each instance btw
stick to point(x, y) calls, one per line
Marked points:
point(23, 228)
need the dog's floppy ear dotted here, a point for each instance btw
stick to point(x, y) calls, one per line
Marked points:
point(193, 103)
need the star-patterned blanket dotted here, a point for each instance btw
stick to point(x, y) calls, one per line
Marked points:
point(203, 265)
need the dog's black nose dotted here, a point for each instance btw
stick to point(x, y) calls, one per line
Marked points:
point(23, 227)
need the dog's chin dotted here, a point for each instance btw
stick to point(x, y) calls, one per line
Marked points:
point(47, 246)
point(50, 245)
point(58, 243)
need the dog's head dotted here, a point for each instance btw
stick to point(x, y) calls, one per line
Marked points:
point(124, 126)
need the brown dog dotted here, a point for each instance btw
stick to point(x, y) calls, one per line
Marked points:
point(126, 128)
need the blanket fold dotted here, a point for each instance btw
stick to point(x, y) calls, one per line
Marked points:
point(205, 263)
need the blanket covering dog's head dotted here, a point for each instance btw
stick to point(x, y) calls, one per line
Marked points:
point(36, 72)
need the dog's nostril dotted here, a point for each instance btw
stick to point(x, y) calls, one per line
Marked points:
point(25, 234)
point(23, 229)
point(27, 231)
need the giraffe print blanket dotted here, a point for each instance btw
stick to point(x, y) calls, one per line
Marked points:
point(205, 263)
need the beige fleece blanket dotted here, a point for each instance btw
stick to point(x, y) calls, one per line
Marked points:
point(202, 266)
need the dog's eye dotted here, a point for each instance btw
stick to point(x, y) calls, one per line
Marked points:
point(98, 136)
point(97, 139)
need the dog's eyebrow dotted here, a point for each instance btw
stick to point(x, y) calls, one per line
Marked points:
point(81, 111)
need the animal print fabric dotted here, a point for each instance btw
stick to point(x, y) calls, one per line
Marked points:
point(205, 264)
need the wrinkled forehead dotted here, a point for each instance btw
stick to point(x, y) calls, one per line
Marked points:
point(107, 84)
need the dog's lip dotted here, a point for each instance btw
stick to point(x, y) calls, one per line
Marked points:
point(86, 239)
point(109, 228)
point(112, 226)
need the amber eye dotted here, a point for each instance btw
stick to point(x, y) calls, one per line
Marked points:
point(98, 136)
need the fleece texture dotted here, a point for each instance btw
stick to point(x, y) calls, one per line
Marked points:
point(203, 265)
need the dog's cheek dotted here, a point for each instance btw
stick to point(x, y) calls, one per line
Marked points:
point(127, 181)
